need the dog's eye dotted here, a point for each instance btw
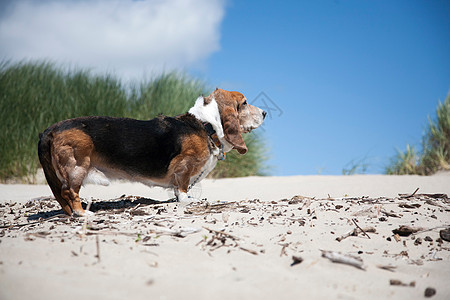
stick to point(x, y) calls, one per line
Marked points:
point(242, 104)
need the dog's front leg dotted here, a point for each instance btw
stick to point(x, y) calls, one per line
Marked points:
point(183, 198)
point(181, 186)
point(180, 196)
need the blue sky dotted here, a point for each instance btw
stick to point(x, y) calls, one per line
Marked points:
point(355, 80)
point(349, 81)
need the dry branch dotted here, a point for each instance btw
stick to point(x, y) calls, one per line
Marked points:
point(356, 224)
point(337, 257)
point(355, 232)
point(405, 196)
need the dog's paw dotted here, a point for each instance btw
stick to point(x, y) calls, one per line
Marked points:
point(85, 213)
point(184, 199)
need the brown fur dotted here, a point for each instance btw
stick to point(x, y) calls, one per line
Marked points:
point(71, 158)
point(194, 154)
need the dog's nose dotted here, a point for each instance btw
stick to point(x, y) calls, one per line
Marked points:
point(264, 113)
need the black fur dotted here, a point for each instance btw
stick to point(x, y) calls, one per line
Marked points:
point(143, 148)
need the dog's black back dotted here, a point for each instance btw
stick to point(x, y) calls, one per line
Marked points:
point(135, 146)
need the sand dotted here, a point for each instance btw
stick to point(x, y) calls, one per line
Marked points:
point(241, 243)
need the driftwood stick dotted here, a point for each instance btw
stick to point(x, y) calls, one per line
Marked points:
point(248, 250)
point(109, 232)
point(344, 236)
point(354, 221)
point(387, 267)
point(433, 202)
point(338, 257)
point(433, 228)
point(409, 196)
point(354, 232)
point(389, 214)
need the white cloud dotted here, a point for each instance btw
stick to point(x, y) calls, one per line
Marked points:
point(129, 38)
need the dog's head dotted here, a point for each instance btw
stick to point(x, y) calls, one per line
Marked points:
point(237, 116)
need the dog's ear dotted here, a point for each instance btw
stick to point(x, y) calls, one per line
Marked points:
point(231, 129)
point(206, 100)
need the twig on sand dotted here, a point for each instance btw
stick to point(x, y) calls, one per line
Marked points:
point(390, 214)
point(249, 250)
point(434, 203)
point(207, 208)
point(356, 224)
point(109, 232)
point(182, 232)
point(283, 250)
point(405, 230)
point(222, 238)
point(355, 232)
point(387, 267)
point(307, 203)
point(337, 257)
point(400, 283)
point(405, 196)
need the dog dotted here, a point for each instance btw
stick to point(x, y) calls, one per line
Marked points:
point(171, 152)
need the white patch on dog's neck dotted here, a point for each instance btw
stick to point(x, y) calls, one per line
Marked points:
point(210, 113)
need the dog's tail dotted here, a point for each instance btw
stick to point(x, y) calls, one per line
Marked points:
point(45, 158)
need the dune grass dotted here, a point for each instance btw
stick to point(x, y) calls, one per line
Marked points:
point(34, 95)
point(253, 164)
point(356, 166)
point(435, 153)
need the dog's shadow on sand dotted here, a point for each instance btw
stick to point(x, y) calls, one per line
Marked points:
point(115, 205)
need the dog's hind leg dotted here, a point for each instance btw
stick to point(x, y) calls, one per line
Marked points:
point(71, 160)
point(54, 182)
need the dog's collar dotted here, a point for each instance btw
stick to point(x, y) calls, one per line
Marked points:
point(209, 129)
point(215, 140)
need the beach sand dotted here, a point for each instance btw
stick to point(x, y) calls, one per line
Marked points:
point(252, 238)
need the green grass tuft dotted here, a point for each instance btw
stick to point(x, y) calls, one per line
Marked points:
point(356, 166)
point(435, 154)
point(253, 163)
point(34, 95)
point(404, 162)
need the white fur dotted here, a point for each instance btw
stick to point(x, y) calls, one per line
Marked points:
point(210, 113)
point(95, 176)
point(86, 213)
point(184, 199)
point(105, 176)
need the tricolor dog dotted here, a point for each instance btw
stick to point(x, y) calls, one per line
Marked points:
point(171, 152)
